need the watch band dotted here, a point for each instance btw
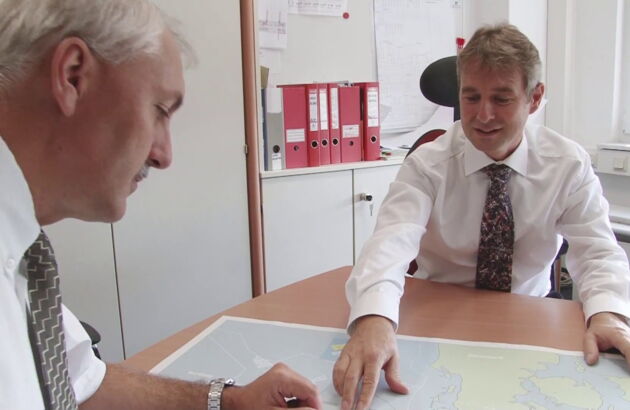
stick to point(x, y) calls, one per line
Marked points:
point(216, 391)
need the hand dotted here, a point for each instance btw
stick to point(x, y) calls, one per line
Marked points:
point(270, 390)
point(372, 347)
point(606, 330)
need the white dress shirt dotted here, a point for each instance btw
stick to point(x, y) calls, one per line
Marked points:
point(433, 211)
point(19, 385)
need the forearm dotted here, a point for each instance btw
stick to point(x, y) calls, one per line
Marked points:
point(378, 277)
point(123, 388)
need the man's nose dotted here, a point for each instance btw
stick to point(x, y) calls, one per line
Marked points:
point(161, 154)
point(486, 111)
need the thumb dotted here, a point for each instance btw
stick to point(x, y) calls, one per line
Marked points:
point(392, 376)
point(591, 350)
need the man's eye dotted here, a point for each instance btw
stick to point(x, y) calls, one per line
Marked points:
point(163, 111)
point(471, 98)
point(502, 100)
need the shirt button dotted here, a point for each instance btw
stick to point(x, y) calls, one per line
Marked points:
point(10, 265)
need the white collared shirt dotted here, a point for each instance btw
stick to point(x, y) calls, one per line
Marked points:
point(432, 213)
point(19, 385)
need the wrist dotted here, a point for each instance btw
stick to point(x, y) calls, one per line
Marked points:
point(607, 316)
point(372, 320)
point(229, 398)
point(217, 391)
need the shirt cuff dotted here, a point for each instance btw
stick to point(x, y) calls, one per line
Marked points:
point(86, 371)
point(381, 303)
point(90, 380)
point(606, 303)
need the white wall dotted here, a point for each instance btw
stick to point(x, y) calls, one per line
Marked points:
point(326, 49)
point(624, 127)
point(182, 250)
point(584, 71)
point(480, 12)
point(85, 257)
point(559, 85)
point(529, 16)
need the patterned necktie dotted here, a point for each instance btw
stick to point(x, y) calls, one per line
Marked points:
point(46, 326)
point(496, 242)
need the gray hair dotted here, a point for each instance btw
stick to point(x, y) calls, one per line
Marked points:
point(503, 46)
point(115, 30)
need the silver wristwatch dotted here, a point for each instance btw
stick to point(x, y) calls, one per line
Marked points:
point(216, 390)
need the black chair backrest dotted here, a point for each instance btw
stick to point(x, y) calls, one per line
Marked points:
point(438, 83)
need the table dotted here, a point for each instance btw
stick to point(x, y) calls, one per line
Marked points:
point(427, 309)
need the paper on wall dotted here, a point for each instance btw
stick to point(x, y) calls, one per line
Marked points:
point(409, 36)
point(272, 23)
point(334, 8)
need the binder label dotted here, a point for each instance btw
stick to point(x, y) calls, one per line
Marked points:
point(334, 108)
point(350, 131)
point(323, 109)
point(312, 109)
point(276, 161)
point(296, 135)
point(372, 103)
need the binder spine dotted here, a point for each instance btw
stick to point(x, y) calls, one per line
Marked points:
point(312, 135)
point(333, 117)
point(324, 126)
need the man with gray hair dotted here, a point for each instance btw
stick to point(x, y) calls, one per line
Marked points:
point(87, 90)
point(486, 205)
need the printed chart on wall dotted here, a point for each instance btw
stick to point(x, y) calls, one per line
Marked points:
point(440, 374)
point(409, 36)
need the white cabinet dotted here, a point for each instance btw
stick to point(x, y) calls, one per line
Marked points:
point(307, 225)
point(372, 182)
point(614, 159)
point(315, 220)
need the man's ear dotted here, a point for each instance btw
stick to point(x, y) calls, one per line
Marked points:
point(73, 65)
point(537, 95)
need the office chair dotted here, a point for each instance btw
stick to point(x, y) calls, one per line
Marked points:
point(95, 337)
point(556, 270)
point(438, 84)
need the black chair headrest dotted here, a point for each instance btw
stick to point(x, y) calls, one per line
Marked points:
point(438, 83)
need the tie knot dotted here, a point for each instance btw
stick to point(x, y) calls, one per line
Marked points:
point(498, 172)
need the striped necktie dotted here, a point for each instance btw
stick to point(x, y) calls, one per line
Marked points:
point(46, 326)
point(496, 241)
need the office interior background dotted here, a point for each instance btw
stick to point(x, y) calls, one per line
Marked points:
point(182, 252)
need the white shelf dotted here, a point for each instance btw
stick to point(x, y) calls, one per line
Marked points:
point(332, 168)
point(620, 214)
point(614, 146)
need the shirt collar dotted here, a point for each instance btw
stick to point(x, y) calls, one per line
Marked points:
point(474, 160)
point(18, 226)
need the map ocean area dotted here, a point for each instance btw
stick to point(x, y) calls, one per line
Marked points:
point(440, 374)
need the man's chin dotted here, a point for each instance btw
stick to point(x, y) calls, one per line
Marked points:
point(113, 213)
point(488, 146)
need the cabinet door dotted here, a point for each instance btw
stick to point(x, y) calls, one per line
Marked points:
point(370, 187)
point(85, 256)
point(307, 225)
point(182, 250)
